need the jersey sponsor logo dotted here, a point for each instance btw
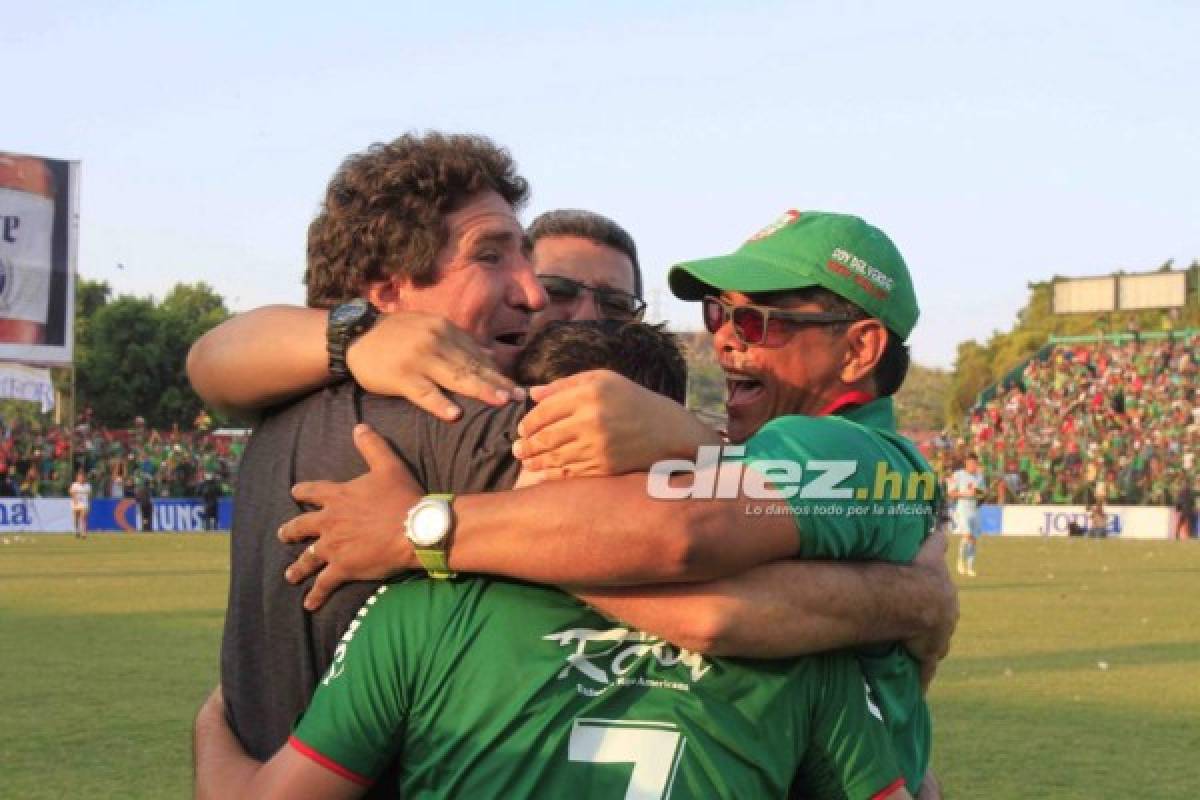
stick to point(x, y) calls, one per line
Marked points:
point(605, 658)
point(338, 666)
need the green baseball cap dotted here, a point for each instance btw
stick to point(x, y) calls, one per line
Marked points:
point(849, 257)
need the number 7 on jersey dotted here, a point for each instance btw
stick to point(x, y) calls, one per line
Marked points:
point(654, 749)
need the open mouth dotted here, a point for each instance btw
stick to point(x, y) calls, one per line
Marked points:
point(741, 390)
point(512, 339)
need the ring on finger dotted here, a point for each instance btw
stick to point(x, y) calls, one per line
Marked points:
point(312, 550)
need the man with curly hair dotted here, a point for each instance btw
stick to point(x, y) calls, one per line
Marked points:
point(426, 224)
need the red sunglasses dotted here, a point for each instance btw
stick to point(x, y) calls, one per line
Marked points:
point(762, 325)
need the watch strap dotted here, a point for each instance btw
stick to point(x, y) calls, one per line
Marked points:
point(436, 560)
point(339, 337)
point(435, 563)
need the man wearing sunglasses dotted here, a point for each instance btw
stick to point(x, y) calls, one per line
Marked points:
point(809, 321)
point(588, 266)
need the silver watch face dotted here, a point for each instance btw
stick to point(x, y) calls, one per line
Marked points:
point(348, 313)
point(429, 522)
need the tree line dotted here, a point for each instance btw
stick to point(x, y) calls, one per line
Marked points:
point(131, 352)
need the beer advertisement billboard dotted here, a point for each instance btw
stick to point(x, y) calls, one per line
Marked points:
point(39, 232)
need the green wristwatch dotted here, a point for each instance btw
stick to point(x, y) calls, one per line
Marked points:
point(429, 526)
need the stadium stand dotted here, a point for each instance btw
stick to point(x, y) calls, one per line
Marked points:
point(1114, 417)
point(35, 461)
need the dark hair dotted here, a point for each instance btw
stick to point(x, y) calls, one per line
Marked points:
point(646, 354)
point(892, 367)
point(593, 227)
point(385, 209)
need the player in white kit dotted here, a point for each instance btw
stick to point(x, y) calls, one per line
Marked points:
point(81, 496)
point(965, 488)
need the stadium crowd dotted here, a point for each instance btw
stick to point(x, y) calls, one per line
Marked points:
point(1114, 419)
point(118, 462)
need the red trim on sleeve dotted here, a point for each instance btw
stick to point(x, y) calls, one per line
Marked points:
point(887, 790)
point(855, 398)
point(328, 763)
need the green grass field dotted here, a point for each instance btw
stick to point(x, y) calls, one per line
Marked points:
point(1075, 672)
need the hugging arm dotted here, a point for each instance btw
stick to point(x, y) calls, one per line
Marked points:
point(598, 423)
point(274, 353)
point(549, 533)
point(791, 608)
point(225, 772)
point(260, 358)
point(552, 533)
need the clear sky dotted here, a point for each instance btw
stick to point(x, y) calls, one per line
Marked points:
point(997, 144)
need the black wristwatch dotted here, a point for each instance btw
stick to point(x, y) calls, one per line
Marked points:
point(346, 323)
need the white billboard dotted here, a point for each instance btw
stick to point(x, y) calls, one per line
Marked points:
point(1084, 295)
point(39, 241)
point(35, 515)
point(1152, 290)
point(1125, 522)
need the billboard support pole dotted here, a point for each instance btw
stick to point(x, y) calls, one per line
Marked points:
point(71, 420)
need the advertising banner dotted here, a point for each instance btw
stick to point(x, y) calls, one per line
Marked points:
point(1126, 522)
point(35, 515)
point(168, 515)
point(39, 236)
point(34, 384)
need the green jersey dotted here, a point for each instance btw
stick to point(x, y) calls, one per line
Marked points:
point(865, 493)
point(489, 688)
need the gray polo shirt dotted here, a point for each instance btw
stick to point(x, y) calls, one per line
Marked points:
point(273, 652)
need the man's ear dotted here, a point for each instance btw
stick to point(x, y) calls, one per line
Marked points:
point(866, 341)
point(387, 295)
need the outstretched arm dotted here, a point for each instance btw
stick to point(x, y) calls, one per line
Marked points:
point(225, 772)
point(274, 353)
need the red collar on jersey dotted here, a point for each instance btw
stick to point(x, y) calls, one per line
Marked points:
point(845, 401)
